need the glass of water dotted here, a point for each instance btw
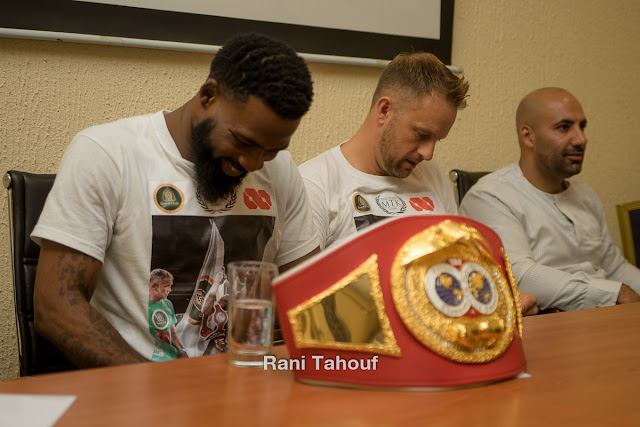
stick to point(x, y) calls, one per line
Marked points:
point(251, 311)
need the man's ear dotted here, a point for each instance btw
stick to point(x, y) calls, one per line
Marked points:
point(384, 108)
point(209, 92)
point(527, 136)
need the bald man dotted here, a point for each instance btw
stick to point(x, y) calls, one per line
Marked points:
point(553, 226)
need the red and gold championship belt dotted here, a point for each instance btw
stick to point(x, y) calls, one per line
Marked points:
point(415, 302)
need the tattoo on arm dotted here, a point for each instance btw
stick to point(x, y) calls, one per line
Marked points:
point(90, 340)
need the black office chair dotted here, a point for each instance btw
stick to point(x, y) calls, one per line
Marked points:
point(27, 194)
point(463, 181)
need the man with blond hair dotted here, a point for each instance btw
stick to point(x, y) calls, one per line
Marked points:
point(380, 171)
point(162, 317)
point(386, 169)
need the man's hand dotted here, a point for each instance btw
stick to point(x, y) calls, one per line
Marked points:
point(528, 304)
point(627, 295)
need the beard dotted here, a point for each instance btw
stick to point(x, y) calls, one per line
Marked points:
point(388, 152)
point(573, 167)
point(558, 165)
point(212, 182)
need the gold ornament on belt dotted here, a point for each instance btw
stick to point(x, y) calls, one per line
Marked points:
point(452, 295)
point(448, 289)
point(350, 315)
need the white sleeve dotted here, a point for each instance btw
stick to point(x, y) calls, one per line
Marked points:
point(553, 288)
point(83, 204)
point(445, 189)
point(299, 235)
point(318, 206)
point(449, 198)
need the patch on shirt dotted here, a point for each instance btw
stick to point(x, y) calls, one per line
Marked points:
point(160, 319)
point(392, 205)
point(421, 203)
point(230, 203)
point(168, 198)
point(360, 204)
point(257, 199)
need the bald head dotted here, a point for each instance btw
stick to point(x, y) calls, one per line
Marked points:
point(550, 124)
point(537, 103)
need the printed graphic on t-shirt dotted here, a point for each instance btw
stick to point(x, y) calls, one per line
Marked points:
point(168, 198)
point(391, 204)
point(360, 204)
point(371, 208)
point(195, 250)
point(420, 204)
point(365, 221)
point(192, 242)
point(161, 325)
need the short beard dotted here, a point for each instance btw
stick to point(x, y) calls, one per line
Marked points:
point(573, 168)
point(386, 151)
point(212, 183)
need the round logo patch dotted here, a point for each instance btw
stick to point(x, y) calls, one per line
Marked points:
point(160, 319)
point(392, 205)
point(360, 204)
point(168, 198)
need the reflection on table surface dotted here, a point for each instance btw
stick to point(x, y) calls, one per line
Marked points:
point(583, 365)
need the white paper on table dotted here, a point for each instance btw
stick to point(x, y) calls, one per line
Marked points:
point(32, 410)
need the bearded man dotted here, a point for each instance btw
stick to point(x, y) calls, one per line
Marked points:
point(140, 193)
point(553, 225)
point(387, 169)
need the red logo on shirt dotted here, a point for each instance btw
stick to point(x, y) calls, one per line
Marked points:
point(424, 204)
point(255, 199)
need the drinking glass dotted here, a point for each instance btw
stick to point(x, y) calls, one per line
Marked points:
point(251, 311)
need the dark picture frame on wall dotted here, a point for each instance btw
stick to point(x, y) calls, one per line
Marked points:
point(629, 220)
point(79, 17)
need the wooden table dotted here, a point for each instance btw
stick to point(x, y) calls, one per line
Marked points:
point(585, 369)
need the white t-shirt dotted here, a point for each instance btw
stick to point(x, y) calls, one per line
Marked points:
point(558, 244)
point(125, 196)
point(345, 200)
